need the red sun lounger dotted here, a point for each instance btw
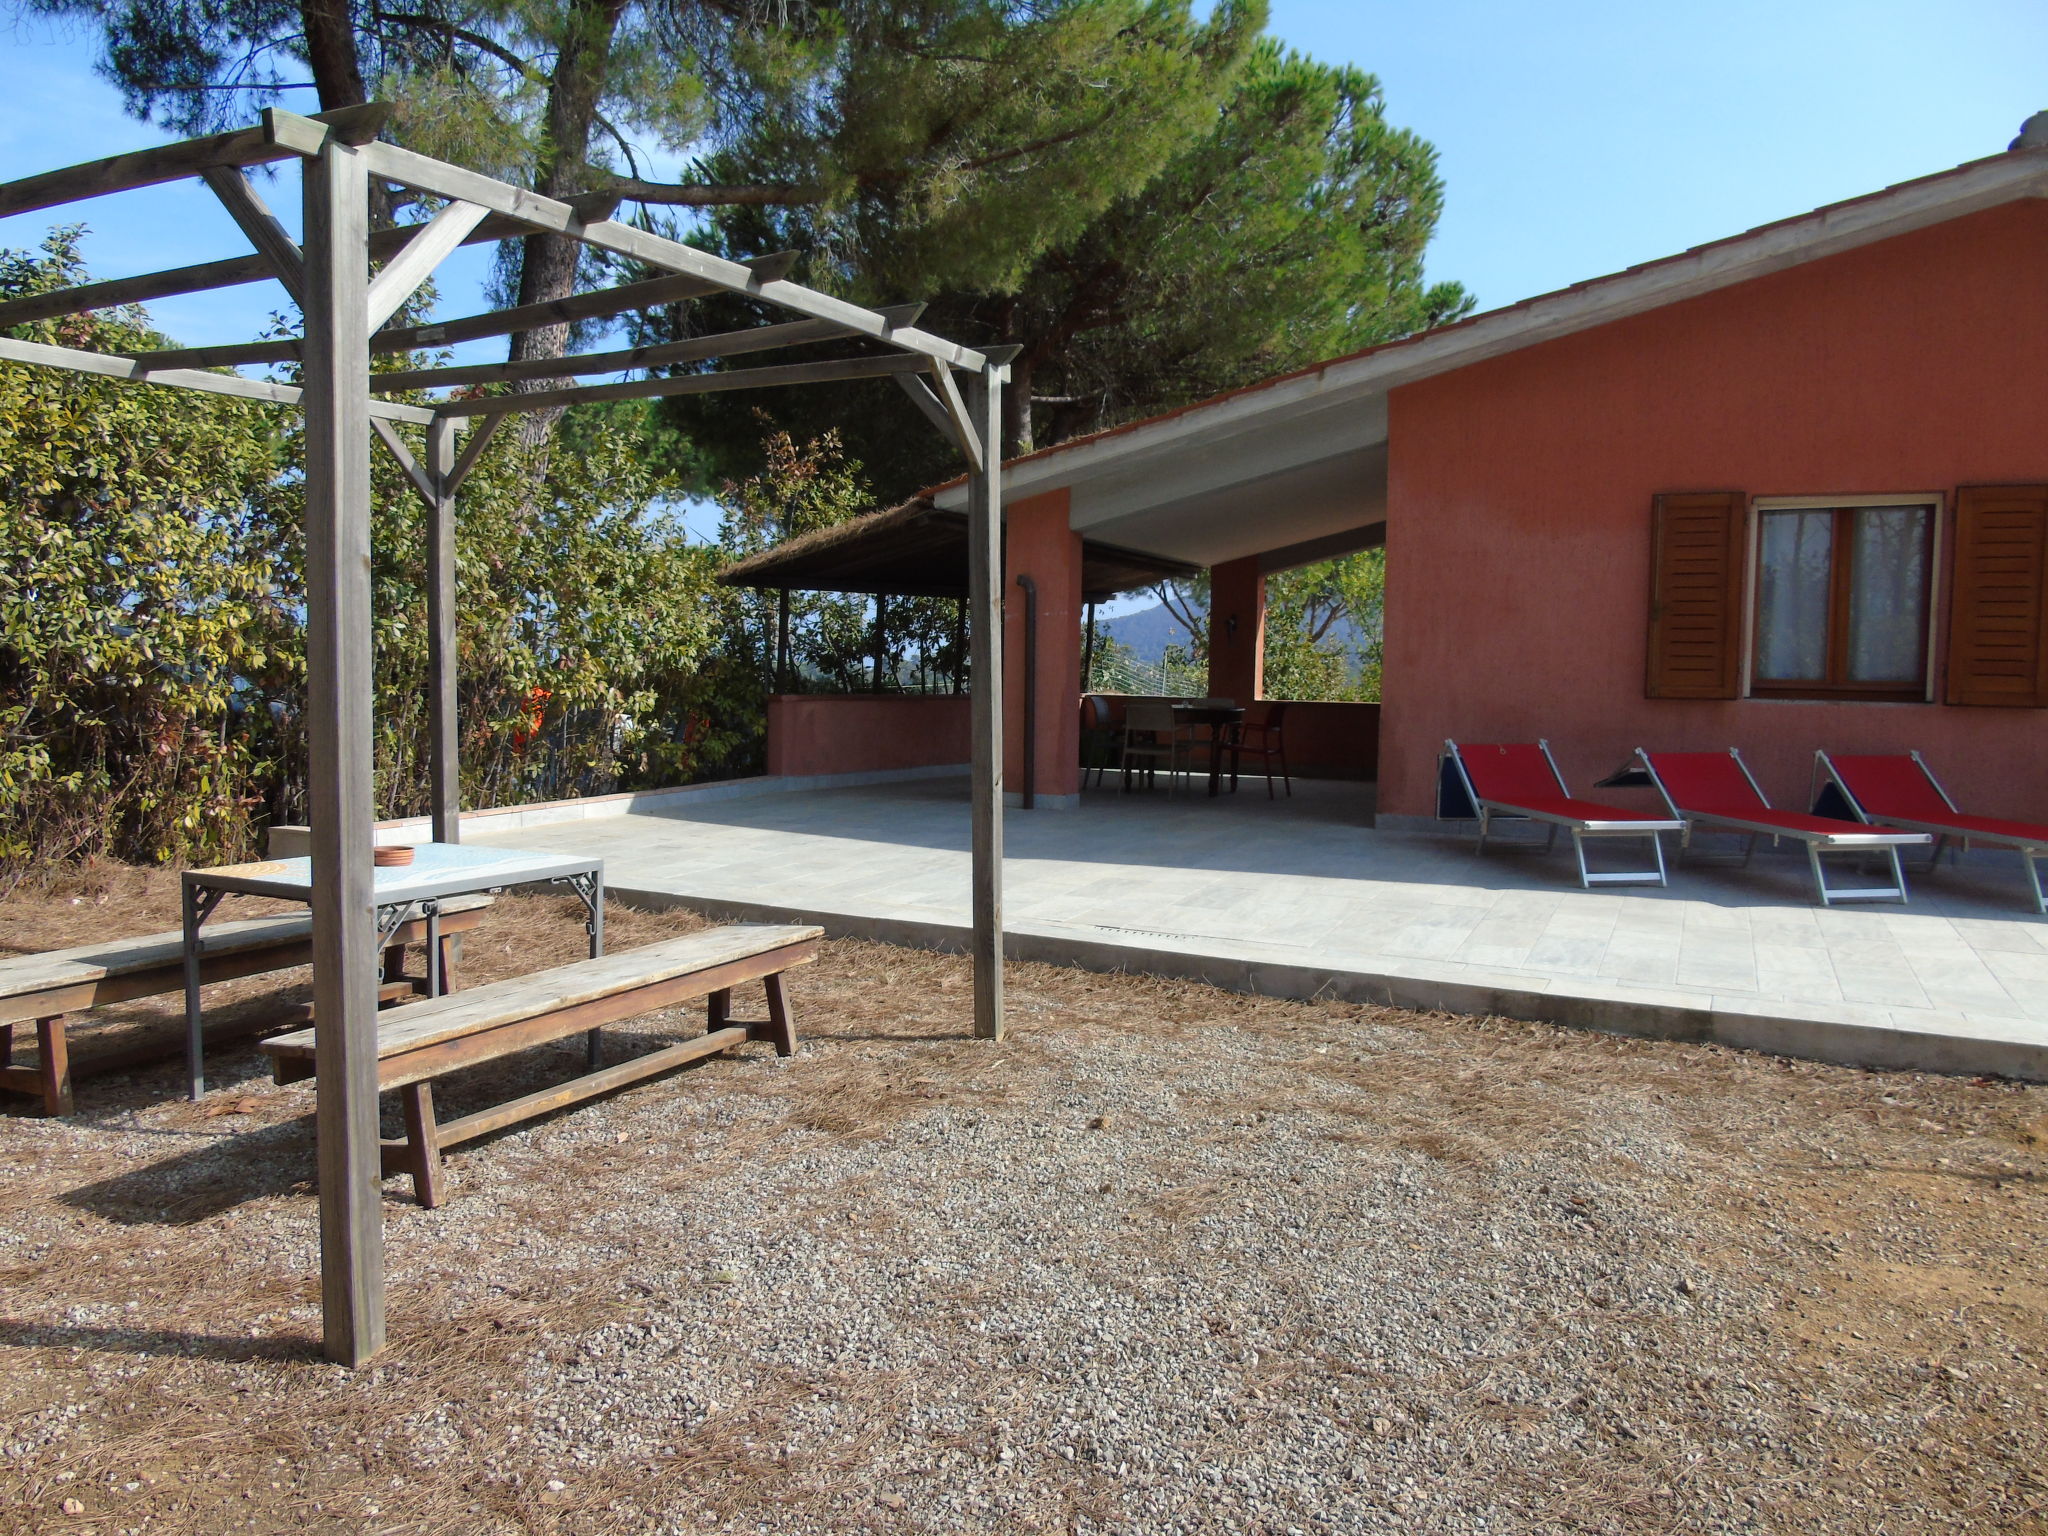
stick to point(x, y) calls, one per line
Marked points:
point(1521, 779)
point(1902, 791)
point(1717, 790)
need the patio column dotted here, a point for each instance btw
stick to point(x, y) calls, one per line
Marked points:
point(1237, 630)
point(1039, 545)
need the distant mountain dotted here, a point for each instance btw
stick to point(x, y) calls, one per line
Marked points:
point(1150, 631)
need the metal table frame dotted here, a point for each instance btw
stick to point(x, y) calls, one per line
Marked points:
point(415, 891)
point(1220, 718)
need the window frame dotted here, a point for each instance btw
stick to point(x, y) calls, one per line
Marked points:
point(1836, 687)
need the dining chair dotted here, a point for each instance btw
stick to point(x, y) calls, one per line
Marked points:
point(1266, 741)
point(1100, 738)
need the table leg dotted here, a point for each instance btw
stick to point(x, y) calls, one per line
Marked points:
point(437, 982)
point(593, 897)
point(195, 1035)
point(1215, 760)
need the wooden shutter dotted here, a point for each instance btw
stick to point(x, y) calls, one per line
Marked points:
point(1696, 545)
point(1998, 617)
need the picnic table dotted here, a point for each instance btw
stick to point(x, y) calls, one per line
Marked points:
point(403, 893)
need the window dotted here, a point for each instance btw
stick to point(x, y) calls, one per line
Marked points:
point(1843, 599)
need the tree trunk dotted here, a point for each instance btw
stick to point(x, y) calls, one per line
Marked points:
point(1017, 407)
point(338, 78)
point(548, 263)
point(331, 50)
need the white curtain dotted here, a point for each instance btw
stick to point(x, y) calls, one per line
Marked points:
point(1792, 596)
point(1888, 595)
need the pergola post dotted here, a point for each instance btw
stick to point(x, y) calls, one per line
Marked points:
point(338, 700)
point(342, 309)
point(444, 745)
point(985, 639)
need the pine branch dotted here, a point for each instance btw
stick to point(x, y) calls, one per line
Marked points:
point(693, 194)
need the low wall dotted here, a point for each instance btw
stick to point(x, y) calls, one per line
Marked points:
point(291, 841)
point(827, 733)
point(1324, 741)
point(1331, 741)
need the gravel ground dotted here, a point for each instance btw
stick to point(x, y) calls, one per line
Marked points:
point(1168, 1260)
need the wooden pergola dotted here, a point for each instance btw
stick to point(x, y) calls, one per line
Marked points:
point(346, 309)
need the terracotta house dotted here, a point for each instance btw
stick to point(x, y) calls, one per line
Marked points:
point(1785, 491)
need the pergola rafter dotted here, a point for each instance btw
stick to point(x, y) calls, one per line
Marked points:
point(327, 270)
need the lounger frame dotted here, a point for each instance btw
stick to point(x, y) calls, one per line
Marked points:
point(1944, 836)
point(1580, 829)
point(1816, 843)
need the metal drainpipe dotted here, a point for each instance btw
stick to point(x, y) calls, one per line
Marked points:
point(1030, 691)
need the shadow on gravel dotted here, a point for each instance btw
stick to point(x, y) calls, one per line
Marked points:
point(156, 1341)
point(207, 1181)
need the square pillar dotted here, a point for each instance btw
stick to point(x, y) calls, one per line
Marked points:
point(1038, 544)
point(1237, 631)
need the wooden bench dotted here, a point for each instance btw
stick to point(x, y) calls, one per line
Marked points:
point(46, 987)
point(428, 1039)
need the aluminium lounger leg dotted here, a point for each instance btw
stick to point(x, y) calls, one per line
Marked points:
point(1587, 879)
point(1820, 882)
point(1579, 851)
point(2027, 857)
point(422, 1142)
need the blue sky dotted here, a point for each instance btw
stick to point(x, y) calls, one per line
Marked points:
point(1575, 139)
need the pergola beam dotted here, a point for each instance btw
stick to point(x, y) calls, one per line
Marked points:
point(422, 483)
point(760, 338)
point(465, 461)
point(280, 136)
point(136, 371)
point(692, 384)
point(425, 175)
point(246, 207)
point(403, 274)
point(234, 271)
point(594, 305)
point(964, 429)
point(922, 397)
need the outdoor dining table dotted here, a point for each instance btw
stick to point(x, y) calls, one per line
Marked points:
point(402, 892)
point(1219, 718)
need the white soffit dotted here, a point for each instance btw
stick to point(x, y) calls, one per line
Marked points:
point(1228, 521)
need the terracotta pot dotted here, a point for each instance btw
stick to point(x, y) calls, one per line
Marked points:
point(393, 856)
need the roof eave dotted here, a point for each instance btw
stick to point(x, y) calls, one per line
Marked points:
point(1971, 188)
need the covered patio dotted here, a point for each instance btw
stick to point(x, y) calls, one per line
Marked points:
point(1305, 897)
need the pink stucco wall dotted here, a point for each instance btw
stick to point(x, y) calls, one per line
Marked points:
point(1518, 540)
point(1038, 543)
point(813, 733)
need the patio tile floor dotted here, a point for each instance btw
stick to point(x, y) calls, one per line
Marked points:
point(1307, 883)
